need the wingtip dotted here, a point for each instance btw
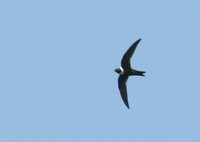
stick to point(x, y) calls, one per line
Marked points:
point(127, 105)
point(137, 41)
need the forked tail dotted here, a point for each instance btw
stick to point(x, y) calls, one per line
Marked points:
point(139, 73)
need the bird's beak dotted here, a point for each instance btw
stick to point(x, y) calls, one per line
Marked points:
point(116, 70)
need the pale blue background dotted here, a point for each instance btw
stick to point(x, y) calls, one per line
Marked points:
point(57, 79)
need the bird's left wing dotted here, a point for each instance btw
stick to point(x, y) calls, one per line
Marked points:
point(123, 89)
point(125, 62)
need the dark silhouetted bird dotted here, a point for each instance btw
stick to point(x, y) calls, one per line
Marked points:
point(125, 71)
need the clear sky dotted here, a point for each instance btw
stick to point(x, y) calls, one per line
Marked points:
point(57, 79)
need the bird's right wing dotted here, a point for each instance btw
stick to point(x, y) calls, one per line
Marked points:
point(123, 89)
point(125, 62)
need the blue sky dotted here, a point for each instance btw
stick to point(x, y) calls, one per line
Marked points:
point(57, 79)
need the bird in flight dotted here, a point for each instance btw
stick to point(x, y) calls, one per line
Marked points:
point(125, 71)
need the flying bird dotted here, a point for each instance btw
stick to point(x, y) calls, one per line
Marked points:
point(125, 71)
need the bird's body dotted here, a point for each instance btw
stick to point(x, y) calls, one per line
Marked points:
point(125, 71)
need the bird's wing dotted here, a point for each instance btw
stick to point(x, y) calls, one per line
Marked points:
point(123, 89)
point(125, 62)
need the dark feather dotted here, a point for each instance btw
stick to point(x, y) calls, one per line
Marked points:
point(123, 89)
point(125, 62)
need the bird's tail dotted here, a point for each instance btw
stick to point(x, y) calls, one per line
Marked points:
point(139, 73)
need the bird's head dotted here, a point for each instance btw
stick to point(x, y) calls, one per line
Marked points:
point(119, 70)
